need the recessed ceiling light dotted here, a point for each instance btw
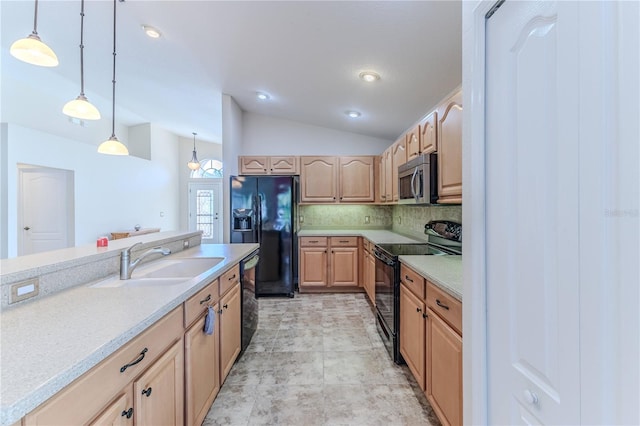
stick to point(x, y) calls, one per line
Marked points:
point(151, 32)
point(353, 114)
point(369, 76)
point(262, 96)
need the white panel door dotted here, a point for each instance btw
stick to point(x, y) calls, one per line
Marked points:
point(205, 203)
point(46, 210)
point(532, 211)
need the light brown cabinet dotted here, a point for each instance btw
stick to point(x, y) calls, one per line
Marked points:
point(268, 165)
point(159, 391)
point(230, 330)
point(369, 271)
point(389, 183)
point(355, 180)
point(399, 156)
point(444, 355)
point(413, 142)
point(428, 134)
point(118, 413)
point(412, 333)
point(450, 150)
point(328, 263)
point(337, 179)
point(201, 355)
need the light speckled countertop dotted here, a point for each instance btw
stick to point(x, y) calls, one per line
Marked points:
point(48, 343)
point(444, 271)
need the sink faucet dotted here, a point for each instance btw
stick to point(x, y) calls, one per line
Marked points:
point(127, 267)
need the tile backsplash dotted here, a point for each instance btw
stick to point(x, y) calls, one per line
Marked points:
point(407, 220)
point(345, 216)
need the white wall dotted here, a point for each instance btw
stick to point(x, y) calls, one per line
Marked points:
point(232, 137)
point(111, 193)
point(263, 135)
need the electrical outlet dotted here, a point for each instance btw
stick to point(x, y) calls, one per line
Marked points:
point(301, 219)
point(399, 220)
point(24, 290)
point(185, 244)
point(367, 219)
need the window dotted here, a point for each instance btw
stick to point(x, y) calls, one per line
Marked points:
point(208, 169)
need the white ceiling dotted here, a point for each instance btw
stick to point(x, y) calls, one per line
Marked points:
point(306, 55)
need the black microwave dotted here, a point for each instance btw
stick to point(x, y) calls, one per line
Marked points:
point(418, 180)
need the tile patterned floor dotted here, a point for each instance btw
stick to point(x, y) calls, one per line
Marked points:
point(318, 360)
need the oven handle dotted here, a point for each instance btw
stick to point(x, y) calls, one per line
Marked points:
point(384, 259)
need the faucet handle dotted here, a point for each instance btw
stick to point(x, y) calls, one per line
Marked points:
point(128, 250)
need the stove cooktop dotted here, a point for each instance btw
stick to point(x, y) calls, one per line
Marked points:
point(411, 249)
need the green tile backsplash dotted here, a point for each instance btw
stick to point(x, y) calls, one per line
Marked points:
point(410, 220)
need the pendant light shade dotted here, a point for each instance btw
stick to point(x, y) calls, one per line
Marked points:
point(32, 50)
point(113, 146)
point(194, 164)
point(80, 107)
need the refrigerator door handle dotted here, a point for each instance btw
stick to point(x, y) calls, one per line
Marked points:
point(258, 212)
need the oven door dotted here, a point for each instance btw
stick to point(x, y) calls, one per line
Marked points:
point(385, 281)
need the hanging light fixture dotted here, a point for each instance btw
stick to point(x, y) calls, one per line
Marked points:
point(32, 50)
point(80, 107)
point(194, 164)
point(113, 146)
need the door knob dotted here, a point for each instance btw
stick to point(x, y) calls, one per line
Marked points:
point(26, 228)
point(530, 397)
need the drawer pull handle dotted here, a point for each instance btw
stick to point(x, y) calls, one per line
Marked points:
point(314, 241)
point(344, 241)
point(232, 277)
point(439, 303)
point(418, 309)
point(127, 413)
point(147, 392)
point(225, 306)
point(206, 299)
point(406, 277)
point(124, 367)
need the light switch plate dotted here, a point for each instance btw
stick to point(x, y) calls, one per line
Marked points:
point(24, 290)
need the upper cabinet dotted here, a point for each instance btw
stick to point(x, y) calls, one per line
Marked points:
point(450, 150)
point(399, 154)
point(252, 165)
point(428, 133)
point(413, 143)
point(337, 179)
point(356, 179)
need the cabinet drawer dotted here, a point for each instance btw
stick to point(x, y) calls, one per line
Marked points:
point(344, 241)
point(81, 400)
point(445, 306)
point(198, 303)
point(229, 279)
point(413, 280)
point(313, 241)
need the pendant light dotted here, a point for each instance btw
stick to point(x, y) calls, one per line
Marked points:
point(194, 164)
point(32, 50)
point(80, 107)
point(113, 146)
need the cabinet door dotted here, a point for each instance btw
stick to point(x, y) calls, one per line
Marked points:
point(283, 165)
point(389, 183)
point(428, 134)
point(343, 267)
point(230, 331)
point(372, 278)
point(202, 369)
point(159, 391)
point(318, 179)
point(444, 370)
point(413, 143)
point(313, 267)
point(356, 179)
point(253, 165)
point(450, 151)
point(118, 413)
point(412, 333)
point(399, 157)
point(382, 177)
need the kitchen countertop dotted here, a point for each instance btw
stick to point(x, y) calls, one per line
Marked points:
point(48, 343)
point(444, 271)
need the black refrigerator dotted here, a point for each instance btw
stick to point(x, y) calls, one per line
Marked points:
point(263, 209)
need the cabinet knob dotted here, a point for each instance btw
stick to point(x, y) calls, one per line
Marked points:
point(225, 306)
point(530, 397)
point(418, 309)
point(424, 315)
point(147, 392)
point(127, 413)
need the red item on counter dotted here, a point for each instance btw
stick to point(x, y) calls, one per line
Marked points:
point(102, 242)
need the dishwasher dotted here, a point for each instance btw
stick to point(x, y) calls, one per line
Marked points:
point(249, 302)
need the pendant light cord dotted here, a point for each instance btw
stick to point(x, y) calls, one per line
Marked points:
point(82, 48)
point(113, 105)
point(35, 20)
point(194, 141)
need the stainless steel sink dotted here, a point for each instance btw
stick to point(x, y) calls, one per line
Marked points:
point(114, 282)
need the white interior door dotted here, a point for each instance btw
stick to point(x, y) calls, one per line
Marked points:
point(205, 203)
point(532, 211)
point(46, 213)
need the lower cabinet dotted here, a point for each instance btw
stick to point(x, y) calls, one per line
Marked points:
point(329, 263)
point(202, 369)
point(159, 391)
point(444, 370)
point(230, 330)
point(412, 333)
point(119, 413)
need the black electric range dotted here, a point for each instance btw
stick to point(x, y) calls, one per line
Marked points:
point(444, 240)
